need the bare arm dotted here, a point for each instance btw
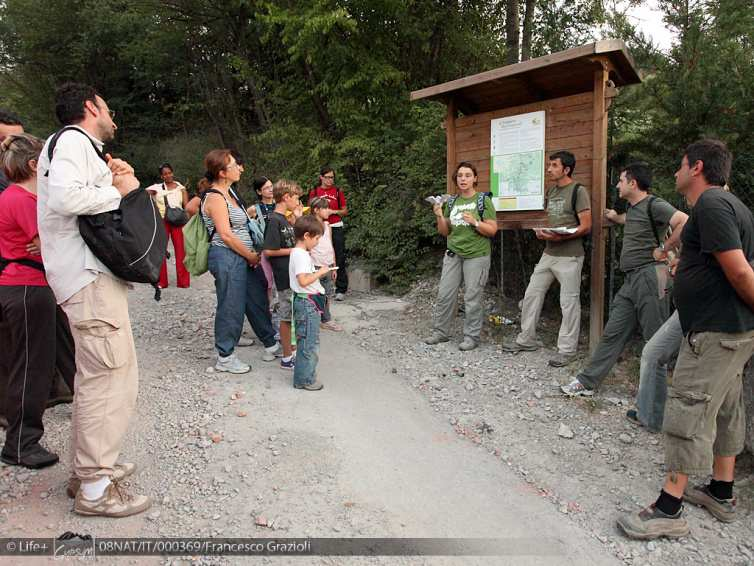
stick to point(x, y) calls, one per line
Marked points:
point(192, 206)
point(306, 279)
point(218, 212)
point(739, 273)
point(612, 216)
point(278, 253)
point(443, 224)
point(677, 222)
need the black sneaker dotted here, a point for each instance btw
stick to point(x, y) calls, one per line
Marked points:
point(633, 417)
point(37, 457)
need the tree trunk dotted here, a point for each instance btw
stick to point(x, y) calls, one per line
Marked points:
point(325, 122)
point(512, 31)
point(528, 30)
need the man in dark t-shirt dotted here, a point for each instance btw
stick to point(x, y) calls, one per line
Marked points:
point(642, 300)
point(704, 421)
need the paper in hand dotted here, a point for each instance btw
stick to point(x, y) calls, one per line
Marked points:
point(437, 199)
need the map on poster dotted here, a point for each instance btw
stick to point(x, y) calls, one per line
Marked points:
point(517, 166)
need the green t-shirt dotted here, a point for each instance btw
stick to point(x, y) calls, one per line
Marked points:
point(638, 239)
point(561, 215)
point(464, 238)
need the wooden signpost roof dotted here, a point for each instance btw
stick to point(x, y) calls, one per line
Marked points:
point(552, 76)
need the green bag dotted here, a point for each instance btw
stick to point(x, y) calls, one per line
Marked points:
point(196, 241)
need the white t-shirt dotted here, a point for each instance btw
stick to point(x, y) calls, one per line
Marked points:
point(301, 262)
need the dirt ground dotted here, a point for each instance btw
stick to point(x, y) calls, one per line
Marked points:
point(406, 440)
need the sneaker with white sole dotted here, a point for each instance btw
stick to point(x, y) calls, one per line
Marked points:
point(115, 502)
point(231, 364)
point(120, 471)
point(576, 389)
point(272, 352)
point(244, 342)
point(651, 523)
point(722, 509)
point(290, 364)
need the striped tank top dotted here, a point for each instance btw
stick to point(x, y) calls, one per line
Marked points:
point(238, 219)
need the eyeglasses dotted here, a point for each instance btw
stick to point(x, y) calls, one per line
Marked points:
point(234, 166)
point(328, 176)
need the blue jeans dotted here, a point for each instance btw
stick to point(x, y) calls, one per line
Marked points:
point(307, 318)
point(661, 349)
point(241, 290)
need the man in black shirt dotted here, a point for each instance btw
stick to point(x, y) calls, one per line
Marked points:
point(704, 423)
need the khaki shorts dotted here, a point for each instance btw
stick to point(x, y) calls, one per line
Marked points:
point(704, 412)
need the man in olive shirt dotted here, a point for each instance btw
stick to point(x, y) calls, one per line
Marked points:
point(562, 259)
point(643, 299)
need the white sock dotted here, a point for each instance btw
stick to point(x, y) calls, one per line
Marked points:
point(288, 359)
point(92, 490)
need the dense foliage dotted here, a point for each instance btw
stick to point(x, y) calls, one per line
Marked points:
point(296, 84)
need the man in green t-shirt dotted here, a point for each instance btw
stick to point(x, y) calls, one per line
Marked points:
point(562, 259)
point(643, 299)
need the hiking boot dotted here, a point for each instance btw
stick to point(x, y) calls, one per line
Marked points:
point(468, 344)
point(722, 509)
point(316, 386)
point(290, 364)
point(244, 342)
point(340, 296)
point(651, 523)
point(37, 457)
point(560, 360)
point(231, 364)
point(576, 389)
point(633, 417)
point(435, 339)
point(115, 502)
point(120, 471)
point(272, 352)
point(514, 347)
point(332, 326)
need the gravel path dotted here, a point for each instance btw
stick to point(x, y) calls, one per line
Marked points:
point(405, 440)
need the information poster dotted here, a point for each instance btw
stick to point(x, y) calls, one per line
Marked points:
point(517, 166)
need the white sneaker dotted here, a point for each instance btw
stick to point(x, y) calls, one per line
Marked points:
point(272, 352)
point(340, 296)
point(576, 389)
point(231, 364)
point(244, 342)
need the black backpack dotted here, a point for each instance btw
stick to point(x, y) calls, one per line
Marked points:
point(131, 240)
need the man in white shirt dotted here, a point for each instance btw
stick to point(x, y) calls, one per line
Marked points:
point(78, 181)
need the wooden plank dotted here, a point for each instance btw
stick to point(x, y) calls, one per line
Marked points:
point(610, 50)
point(450, 136)
point(598, 194)
point(584, 101)
point(483, 154)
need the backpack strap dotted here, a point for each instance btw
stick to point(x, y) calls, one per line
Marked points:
point(480, 204)
point(201, 204)
point(56, 137)
point(653, 198)
point(574, 198)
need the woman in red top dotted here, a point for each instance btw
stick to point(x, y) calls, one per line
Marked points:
point(39, 340)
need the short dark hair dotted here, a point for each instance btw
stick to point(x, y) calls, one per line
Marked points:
point(715, 156)
point(325, 169)
point(166, 165)
point(9, 118)
point(307, 224)
point(567, 159)
point(70, 99)
point(639, 172)
point(468, 165)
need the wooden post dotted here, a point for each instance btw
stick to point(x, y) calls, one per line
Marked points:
point(599, 177)
point(450, 135)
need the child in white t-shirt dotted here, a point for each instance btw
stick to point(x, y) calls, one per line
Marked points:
point(308, 301)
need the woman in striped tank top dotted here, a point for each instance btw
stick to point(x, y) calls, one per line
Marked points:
point(240, 283)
